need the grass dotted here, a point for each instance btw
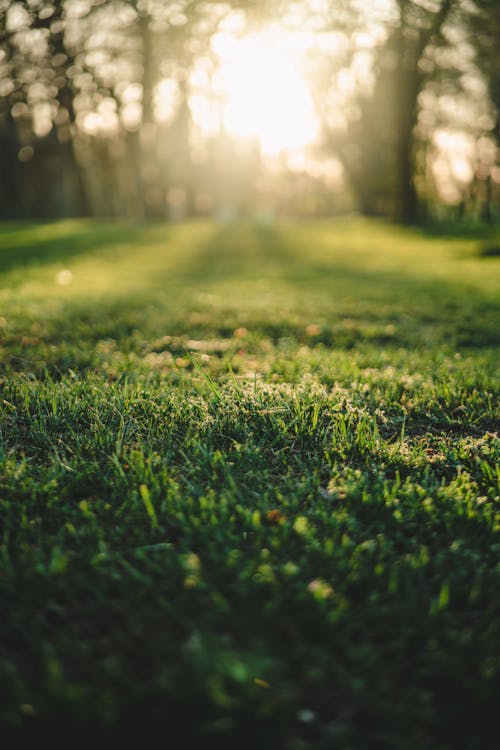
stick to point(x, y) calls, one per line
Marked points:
point(249, 487)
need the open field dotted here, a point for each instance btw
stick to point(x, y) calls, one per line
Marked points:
point(249, 486)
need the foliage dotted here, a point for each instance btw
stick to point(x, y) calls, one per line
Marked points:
point(79, 82)
point(428, 63)
point(248, 486)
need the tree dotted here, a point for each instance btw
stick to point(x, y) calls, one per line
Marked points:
point(484, 25)
point(77, 57)
point(377, 144)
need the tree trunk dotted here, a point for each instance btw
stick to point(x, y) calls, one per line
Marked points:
point(78, 202)
point(11, 194)
point(406, 198)
point(146, 156)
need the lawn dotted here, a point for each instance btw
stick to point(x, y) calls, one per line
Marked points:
point(249, 486)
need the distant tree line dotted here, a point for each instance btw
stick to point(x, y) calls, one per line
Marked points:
point(80, 132)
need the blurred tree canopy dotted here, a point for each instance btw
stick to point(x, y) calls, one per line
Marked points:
point(97, 100)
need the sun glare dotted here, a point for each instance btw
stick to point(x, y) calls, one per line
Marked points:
point(263, 93)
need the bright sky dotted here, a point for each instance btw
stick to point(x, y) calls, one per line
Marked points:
point(263, 92)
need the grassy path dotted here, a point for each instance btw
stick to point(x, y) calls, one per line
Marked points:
point(248, 486)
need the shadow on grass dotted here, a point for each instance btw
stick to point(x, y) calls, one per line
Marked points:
point(251, 257)
point(255, 252)
point(26, 243)
point(489, 250)
point(467, 229)
point(416, 301)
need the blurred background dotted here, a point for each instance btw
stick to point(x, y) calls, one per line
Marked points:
point(164, 110)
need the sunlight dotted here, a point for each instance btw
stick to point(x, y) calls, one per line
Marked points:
point(263, 92)
point(453, 166)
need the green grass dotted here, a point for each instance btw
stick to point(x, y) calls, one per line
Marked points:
point(249, 487)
